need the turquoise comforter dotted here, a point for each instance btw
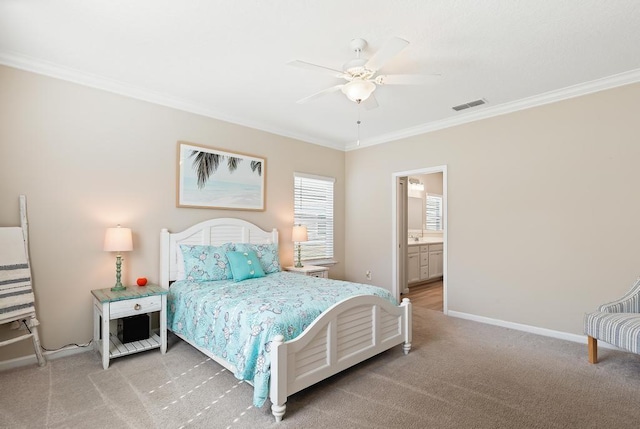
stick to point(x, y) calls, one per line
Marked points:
point(238, 320)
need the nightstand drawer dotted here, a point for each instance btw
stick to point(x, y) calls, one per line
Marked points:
point(310, 270)
point(131, 307)
point(324, 274)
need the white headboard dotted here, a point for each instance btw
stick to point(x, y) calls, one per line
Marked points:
point(210, 232)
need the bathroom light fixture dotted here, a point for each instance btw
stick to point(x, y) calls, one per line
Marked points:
point(416, 185)
point(118, 240)
point(298, 235)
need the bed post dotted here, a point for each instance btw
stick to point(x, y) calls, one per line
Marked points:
point(164, 258)
point(406, 304)
point(278, 388)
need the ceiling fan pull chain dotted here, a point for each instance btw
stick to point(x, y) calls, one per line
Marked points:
point(358, 122)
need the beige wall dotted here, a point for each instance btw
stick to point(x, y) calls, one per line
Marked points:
point(530, 240)
point(88, 159)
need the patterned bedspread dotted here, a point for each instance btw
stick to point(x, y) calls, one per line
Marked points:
point(238, 320)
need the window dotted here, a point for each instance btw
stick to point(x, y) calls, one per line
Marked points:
point(434, 212)
point(313, 207)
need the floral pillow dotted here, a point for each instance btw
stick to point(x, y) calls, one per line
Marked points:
point(245, 265)
point(267, 255)
point(206, 263)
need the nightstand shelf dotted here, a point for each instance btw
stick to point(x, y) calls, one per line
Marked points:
point(310, 270)
point(117, 348)
point(133, 301)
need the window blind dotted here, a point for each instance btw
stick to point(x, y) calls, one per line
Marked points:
point(313, 207)
point(434, 213)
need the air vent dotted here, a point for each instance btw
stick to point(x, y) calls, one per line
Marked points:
point(474, 103)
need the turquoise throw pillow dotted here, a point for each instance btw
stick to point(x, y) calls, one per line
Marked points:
point(267, 254)
point(206, 263)
point(245, 265)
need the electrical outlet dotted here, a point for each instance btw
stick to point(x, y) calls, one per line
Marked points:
point(368, 274)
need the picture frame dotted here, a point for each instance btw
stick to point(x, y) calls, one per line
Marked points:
point(219, 179)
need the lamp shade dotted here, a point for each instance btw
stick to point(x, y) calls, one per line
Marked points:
point(358, 90)
point(118, 240)
point(299, 233)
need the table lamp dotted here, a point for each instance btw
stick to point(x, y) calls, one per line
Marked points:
point(118, 240)
point(299, 235)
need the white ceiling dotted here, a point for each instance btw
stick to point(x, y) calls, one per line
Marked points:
point(227, 59)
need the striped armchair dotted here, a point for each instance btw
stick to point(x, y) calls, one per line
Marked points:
point(616, 323)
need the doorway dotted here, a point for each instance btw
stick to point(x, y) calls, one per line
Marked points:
point(403, 228)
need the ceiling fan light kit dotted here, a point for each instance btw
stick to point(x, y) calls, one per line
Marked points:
point(358, 90)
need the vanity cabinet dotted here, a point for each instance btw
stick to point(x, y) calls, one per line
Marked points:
point(424, 262)
point(413, 264)
point(435, 261)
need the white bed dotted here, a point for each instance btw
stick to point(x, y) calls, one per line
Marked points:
point(326, 347)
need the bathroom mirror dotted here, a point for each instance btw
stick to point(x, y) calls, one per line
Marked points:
point(415, 213)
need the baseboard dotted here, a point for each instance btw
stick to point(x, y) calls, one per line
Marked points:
point(52, 355)
point(582, 339)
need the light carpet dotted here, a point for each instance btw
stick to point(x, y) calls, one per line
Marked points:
point(459, 374)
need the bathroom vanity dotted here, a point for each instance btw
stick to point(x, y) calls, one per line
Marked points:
point(424, 260)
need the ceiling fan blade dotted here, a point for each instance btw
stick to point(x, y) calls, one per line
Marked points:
point(389, 50)
point(370, 103)
point(315, 67)
point(319, 94)
point(405, 79)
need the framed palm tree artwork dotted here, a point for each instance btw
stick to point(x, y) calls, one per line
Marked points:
point(219, 179)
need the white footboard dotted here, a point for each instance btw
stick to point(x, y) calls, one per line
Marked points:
point(348, 333)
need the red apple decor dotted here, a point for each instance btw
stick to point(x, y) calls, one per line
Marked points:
point(142, 281)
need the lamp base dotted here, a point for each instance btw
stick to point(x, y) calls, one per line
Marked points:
point(118, 287)
point(299, 261)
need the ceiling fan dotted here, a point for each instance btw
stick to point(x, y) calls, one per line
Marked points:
point(361, 73)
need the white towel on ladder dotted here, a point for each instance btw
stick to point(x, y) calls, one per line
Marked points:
point(16, 294)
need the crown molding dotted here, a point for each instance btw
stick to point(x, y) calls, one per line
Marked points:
point(45, 68)
point(26, 63)
point(573, 91)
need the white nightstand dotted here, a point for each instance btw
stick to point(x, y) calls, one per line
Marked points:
point(134, 300)
point(310, 270)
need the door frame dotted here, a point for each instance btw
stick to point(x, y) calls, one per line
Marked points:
point(400, 243)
